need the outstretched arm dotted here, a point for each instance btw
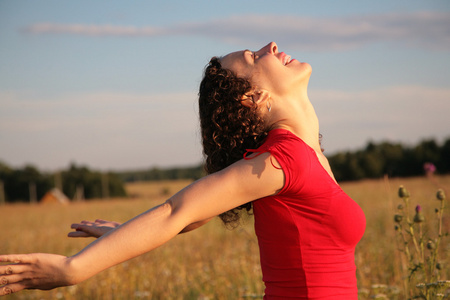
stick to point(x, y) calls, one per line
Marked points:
point(240, 183)
point(100, 227)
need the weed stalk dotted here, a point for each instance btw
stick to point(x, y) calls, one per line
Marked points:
point(423, 278)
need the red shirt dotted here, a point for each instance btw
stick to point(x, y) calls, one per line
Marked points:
point(307, 233)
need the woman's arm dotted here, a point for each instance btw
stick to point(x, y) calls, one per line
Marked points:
point(195, 225)
point(100, 227)
point(240, 183)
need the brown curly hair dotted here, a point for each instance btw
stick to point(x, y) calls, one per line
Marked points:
point(227, 127)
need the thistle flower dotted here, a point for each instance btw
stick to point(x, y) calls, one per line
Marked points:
point(429, 168)
point(398, 218)
point(402, 192)
point(430, 245)
point(419, 218)
point(440, 195)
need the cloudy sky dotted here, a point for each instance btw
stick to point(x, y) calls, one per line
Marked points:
point(112, 84)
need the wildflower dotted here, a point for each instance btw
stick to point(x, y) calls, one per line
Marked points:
point(440, 195)
point(439, 266)
point(379, 296)
point(419, 218)
point(445, 283)
point(364, 292)
point(429, 168)
point(420, 285)
point(398, 218)
point(430, 245)
point(400, 207)
point(402, 192)
point(378, 286)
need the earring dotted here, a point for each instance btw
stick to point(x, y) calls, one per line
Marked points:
point(269, 106)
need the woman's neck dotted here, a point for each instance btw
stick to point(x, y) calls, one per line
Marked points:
point(299, 117)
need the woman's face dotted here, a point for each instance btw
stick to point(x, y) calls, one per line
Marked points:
point(269, 69)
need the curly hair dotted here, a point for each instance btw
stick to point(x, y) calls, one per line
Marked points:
point(227, 127)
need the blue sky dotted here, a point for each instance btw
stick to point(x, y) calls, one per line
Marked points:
point(112, 84)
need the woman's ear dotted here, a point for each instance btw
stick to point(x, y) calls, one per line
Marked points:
point(247, 100)
point(255, 98)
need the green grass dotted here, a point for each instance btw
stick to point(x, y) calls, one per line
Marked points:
point(211, 262)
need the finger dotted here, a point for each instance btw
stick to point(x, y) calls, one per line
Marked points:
point(85, 228)
point(77, 234)
point(11, 288)
point(84, 222)
point(16, 258)
point(87, 222)
point(6, 290)
point(101, 221)
point(75, 225)
point(12, 269)
point(6, 270)
point(4, 280)
point(78, 225)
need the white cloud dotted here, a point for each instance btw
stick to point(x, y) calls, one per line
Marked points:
point(429, 30)
point(93, 30)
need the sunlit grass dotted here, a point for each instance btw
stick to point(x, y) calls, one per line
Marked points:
point(211, 262)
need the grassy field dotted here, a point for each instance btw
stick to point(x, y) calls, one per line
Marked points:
point(211, 262)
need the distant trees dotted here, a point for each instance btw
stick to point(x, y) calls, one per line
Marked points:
point(152, 174)
point(374, 161)
point(392, 159)
point(29, 184)
point(23, 184)
point(92, 183)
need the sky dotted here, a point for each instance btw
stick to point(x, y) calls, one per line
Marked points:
point(113, 85)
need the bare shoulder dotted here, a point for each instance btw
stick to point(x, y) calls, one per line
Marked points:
point(242, 182)
point(260, 175)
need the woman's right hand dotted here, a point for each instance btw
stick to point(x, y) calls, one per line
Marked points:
point(92, 229)
point(35, 271)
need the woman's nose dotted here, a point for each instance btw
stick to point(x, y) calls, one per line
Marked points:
point(271, 48)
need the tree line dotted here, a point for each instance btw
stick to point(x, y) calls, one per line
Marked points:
point(373, 161)
point(28, 184)
point(154, 174)
point(393, 159)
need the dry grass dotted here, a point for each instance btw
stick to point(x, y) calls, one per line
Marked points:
point(211, 262)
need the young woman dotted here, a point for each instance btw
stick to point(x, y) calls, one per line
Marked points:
point(261, 141)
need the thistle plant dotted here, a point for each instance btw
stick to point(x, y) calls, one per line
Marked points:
point(421, 252)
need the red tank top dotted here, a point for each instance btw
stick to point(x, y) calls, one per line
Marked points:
point(307, 233)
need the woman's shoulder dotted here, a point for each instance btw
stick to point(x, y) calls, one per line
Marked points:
point(284, 137)
point(281, 143)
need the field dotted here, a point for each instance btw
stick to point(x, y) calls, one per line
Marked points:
point(211, 262)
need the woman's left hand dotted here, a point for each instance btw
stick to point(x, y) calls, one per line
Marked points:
point(34, 271)
point(92, 229)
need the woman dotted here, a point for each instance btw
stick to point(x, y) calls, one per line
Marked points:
point(260, 137)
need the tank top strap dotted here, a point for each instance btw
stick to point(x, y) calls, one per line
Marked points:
point(258, 153)
point(251, 151)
